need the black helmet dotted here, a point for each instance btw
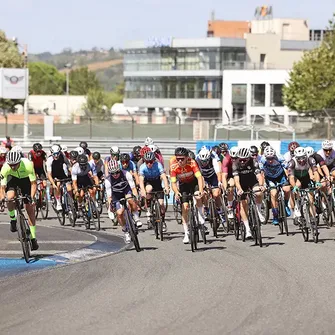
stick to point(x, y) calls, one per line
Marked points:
point(217, 150)
point(191, 154)
point(124, 157)
point(253, 150)
point(82, 160)
point(83, 144)
point(264, 144)
point(74, 154)
point(136, 150)
point(37, 147)
point(149, 156)
point(224, 147)
point(96, 155)
point(181, 152)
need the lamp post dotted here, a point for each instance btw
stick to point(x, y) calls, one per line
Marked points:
point(68, 66)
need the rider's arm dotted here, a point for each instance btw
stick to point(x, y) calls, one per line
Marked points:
point(49, 171)
point(3, 177)
point(141, 179)
point(165, 181)
point(131, 183)
point(32, 177)
point(236, 177)
point(259, 174)
point(217, 168)
point(313, 171)
point(290, 172)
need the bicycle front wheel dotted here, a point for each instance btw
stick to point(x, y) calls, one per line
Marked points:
point(24, 238)
point(257, 227)
point(159, 221)
point(192, 231)
point(132, 231)
point(44, 204)
point(95, 216)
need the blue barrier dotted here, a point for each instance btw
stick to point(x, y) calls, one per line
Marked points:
point(212, 143)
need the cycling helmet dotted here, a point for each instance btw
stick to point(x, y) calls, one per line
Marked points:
point(191, 154)
point(80, 150)
point(124, 157)
point(149, 156)
point(83, 144)
point(292, 146)
point(300, 152)
point(217, 150)
point(74, 154)
point(17, 148)
point(55, 149)
point(13, 157)
point(63, 147)
point(309, 151)
point(326, 145)
point(144, 150)
point(153, 147)
point(113, 167)
point(136, 150)
point(96, 155)
point(254, 150)
point(204, 154)
point(37, 147)
point(82, 160)
point(114, 150)
point(148, 141)
point(264, 144)
point(181, 152)
point(224, 147)
point(269, 152)
point(233, 152)
point(243, 153)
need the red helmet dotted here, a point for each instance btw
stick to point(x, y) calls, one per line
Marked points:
point(144, 150)
point(293, 145)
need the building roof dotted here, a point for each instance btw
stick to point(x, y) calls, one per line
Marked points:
point(235, 29)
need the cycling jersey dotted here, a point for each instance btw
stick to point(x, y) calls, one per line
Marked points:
point(273, 169)
point(25, 170)
point(131, 167)
point(184, 174)
point(99, 166)
point(209, 170)
point(120, 184)
point(227, 165)
point(58, 167)
point(318, 159)
point(159, 157)
point(134, 158)
point(287, 157)
point(330, 160)
point(77, 171)
point(300, 171)
point(38, 160)
point(151, 173)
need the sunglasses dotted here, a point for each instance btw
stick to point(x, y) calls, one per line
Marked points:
point(243, 161)
point(14, 165)
point(327, 150)
point(254, 155)
point(124, 162)
point(149, 162)
point(180, 159)
point(269, 158)
point(56, 154)
point(115, 174)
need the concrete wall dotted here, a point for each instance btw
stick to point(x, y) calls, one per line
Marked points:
point(221, 28)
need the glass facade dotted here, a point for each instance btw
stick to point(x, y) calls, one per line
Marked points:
point(168, 59)
point(277, 95)
point(173, 88)
point(258, 95)
point(239, 93)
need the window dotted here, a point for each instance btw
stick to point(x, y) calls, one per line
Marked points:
point(239, 93)
point(276, 95)
point(257, 95)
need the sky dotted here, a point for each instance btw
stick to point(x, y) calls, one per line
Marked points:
point(48, 25)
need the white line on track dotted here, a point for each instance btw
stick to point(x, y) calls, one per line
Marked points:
point(53, 242)
point(19, 252)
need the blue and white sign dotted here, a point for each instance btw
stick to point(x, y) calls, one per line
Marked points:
point(159, 42)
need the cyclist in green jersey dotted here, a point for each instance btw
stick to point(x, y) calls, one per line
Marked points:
point(19, 172)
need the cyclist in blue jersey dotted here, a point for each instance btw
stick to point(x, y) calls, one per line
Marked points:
point(255, 153)
point(135, 155)
point(151, 176)
point(274, 172)
point(127, 165)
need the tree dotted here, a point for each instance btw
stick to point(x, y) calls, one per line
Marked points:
point(9, 57)
point(312, 80)
point(95, 104)
point(45, 79)
point(82, 81)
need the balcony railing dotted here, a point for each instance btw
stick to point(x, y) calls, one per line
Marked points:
point(186, 94)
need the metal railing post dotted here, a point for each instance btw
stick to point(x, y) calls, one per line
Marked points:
point(132, 124)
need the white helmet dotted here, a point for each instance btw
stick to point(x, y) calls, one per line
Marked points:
point(300, 152)
point(13, 157)
point(3, 150)
point(204, 154)
point(269, 152)
point(17, 148)
point(153, 147)
point(148, 141)
point(327, 145)
point(55, 149)
point(233, 152)
point(309, 151)
point(63, 147)
point(114, 150)
point(243, 153)
point(80, 150)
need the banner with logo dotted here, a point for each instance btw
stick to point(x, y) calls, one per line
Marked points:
point(14, 83)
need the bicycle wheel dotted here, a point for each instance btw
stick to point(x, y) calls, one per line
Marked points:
point(177, 210)
point(95, 216)
point(243, 231)
point(282, 217)
point(192, 228)
point(225, 225)
point(236, 229)
point(44, 204)
point(265, 208)
point(213, 217)
point(38, 202)
point(257, 227)
point(305, 222)
point(166, 202)
point(159, 222)
point(72, 213)
point(325, 209)
point(24, 238)
point(132, 231)
point(60, 214)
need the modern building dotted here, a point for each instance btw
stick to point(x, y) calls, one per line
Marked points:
point(216, 76)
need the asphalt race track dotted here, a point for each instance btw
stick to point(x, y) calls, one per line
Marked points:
point(226, 287)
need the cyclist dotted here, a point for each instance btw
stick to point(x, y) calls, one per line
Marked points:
point(255, 153)
point(290, 153)
point(82, 175)
point(97, 163)
point(73, 157)
point(328, 154)
point(114, 155)
point(224, 147)
point(148, 141)
point(143, 151)
point(247, 176)
point(18, 149)
point(128, 165)
point(120, 184)
point(191, 154)
point(186, 171)
point(264, 144)
point(57, 168)
point(227, 176)
point(38, 156)
point(84, 145)
point(301, 172)
point(19, 172)
point(3, 152)
point(151, 176)
point(158, 155)
point(273, 169)
point(135, 155)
